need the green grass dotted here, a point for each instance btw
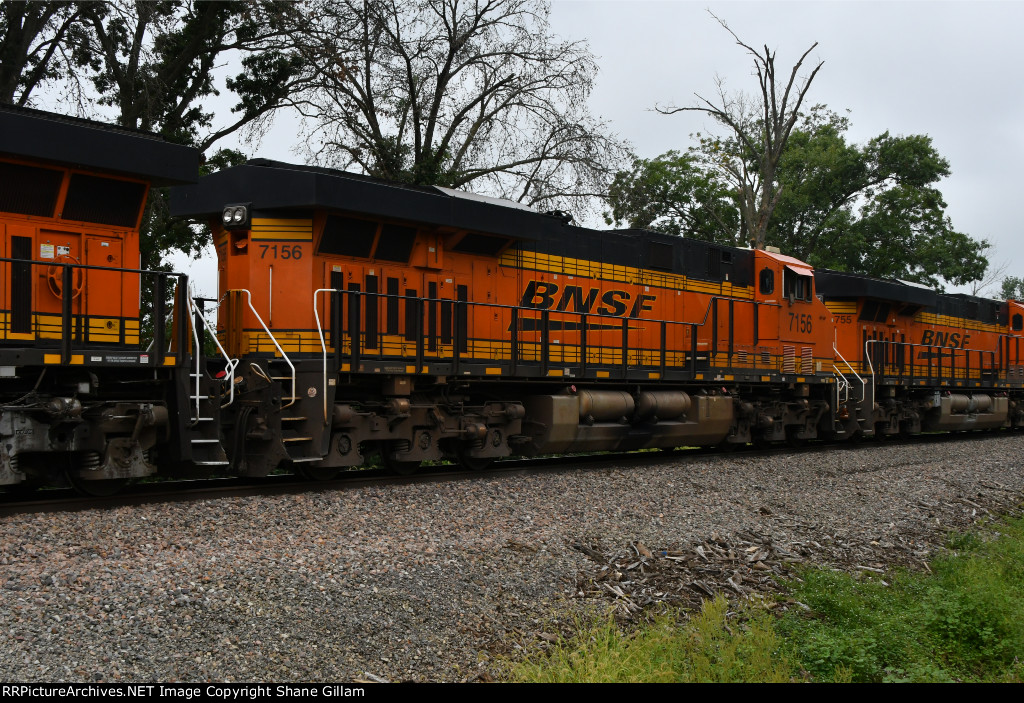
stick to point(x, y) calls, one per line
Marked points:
point(962, 621)
point(704, 649)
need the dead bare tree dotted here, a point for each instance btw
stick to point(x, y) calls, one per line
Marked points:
point(760, 127)
point(989, 285)
point(450, 92)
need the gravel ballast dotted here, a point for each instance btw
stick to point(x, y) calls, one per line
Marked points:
point(430, 581)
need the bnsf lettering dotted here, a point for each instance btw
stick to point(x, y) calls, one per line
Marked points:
point(544, 296)
point(539, 295)
point(613, 306)
point(574, 295)
point(945, 339)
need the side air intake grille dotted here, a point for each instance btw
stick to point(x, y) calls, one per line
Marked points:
point(27, 190)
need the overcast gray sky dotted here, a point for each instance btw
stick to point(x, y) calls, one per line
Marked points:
point(945, 69)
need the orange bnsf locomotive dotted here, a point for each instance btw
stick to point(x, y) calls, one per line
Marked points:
point(359, 318)
point(912, 360)
point(419, 323)
point(86, 394)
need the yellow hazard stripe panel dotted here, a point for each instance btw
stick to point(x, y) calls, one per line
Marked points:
point(287, 230)
point(928, 318)
point(841, 307)
point(281, 223)
point(622, 274)
point(101, 329)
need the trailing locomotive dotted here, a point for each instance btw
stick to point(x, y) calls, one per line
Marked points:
point(84, 396)
point(913, 360)
point(361, 318)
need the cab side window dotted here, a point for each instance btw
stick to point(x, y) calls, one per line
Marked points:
point(767, 281)
point(796, 286)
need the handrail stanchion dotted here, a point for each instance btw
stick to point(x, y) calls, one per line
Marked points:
point(544, 337)
point(323, 345)
point(514, 341)
point(273, 339)
point(583, 344)
point(159, 320)
point(67, 296)
point(418, 329)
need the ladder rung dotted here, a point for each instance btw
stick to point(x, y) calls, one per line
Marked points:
point(211, 463)
point(304, 459)
point(296, 439)
point(200, 397)
point(280, 378)
point(204, 441)
point(293, 419)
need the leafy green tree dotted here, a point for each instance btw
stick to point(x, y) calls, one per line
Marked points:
point(153, 63)
point(1012, 288)
point(872, 208)
point(36, 40)
point(673, 194)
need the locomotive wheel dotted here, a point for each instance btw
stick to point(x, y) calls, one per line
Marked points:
point(103, 488)
point(402, 468)
point(317, 473)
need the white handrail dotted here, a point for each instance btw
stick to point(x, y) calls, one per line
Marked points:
point(863, 383)
point(231, 364)
point(842, 385)
point(273, 339)
point(323, 342)
point(195, 349)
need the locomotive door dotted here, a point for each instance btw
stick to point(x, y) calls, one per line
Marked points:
point(376, 307)
point(487, 337)
point(439, 316)
point(103, 299)
point(384, 318)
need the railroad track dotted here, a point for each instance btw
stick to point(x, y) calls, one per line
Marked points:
point(167, 491)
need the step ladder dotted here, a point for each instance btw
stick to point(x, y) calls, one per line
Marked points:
point(300, 444)
point(203, 430)
point(204, 404)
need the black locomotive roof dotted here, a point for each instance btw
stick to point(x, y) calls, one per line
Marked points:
point(842, 285)
point(274, 185)
point(34, 134)
point(839, 285)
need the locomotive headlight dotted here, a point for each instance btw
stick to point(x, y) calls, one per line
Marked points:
point(237, 215)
